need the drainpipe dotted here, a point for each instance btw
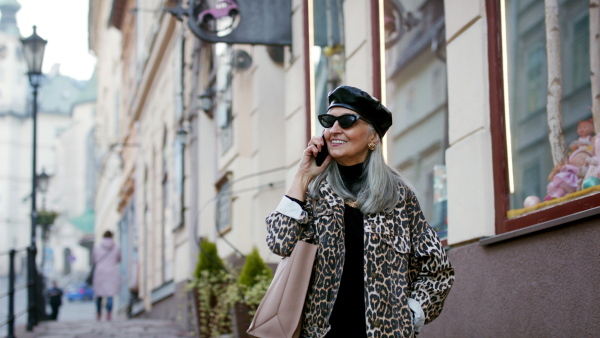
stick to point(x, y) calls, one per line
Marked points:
point(192, 152)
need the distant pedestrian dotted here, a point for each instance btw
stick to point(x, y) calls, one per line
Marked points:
point(55, 297)
point(106, 257)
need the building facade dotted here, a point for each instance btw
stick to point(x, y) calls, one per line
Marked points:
point(57, 96)
point(203, 135)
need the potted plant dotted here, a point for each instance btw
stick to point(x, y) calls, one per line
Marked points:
point(244, 296)
point(209, 284)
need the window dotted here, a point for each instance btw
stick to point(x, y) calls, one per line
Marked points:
point(114, 133)
point(416, 91)
point(439, 217)
point(581, 52)
point(146, 279)
point(178, 76)
point(535, 70)
point(327, 53)
point(519, 97)
point(178, 186)
point(178, 147)
point(128, 247)
point(167, 225)
point(59, 130)
point(223, 211)
point(223, 109)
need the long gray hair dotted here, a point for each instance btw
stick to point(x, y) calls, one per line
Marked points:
point(377, 187)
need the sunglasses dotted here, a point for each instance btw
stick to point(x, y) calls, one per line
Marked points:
point(345, 121)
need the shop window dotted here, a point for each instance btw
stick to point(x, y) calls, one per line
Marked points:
point(439, 217)
point(524, 193)
point(416, 92)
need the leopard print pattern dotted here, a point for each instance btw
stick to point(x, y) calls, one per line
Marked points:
point(403, 258)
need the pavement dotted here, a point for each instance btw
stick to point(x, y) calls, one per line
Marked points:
point(78, 320)
point(147, 328)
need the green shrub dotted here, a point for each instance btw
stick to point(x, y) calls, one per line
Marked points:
point(219, 290)
point(254, 267)
point(254, 294)
point(211, 281)
point(253, 282)
point(208, 259)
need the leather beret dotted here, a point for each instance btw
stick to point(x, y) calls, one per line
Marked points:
point(364, 104)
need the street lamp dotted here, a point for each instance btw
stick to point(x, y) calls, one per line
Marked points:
point(182, 135)
point(33, 52)
point(206, 100)
point(43, 180)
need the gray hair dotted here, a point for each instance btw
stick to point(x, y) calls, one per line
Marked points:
point(378, 187)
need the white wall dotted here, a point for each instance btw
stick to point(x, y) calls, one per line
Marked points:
point(471, 211)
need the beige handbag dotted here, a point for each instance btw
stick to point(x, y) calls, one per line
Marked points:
point(279, 314)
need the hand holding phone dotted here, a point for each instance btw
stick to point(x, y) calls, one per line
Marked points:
point(322, 155)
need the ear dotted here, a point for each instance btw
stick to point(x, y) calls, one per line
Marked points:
point(374, 138)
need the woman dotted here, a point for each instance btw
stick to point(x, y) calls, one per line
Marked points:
point(380, 270)
point(106, 258)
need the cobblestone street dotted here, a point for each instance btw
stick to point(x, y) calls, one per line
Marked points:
point(77, 320)
point(146, 328)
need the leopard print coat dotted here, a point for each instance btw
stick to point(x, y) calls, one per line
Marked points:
point(403, 258)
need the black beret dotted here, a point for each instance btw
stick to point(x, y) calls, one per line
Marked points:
point(363, 103)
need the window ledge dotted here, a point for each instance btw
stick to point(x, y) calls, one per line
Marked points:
point(137, 308)
point(546, 204)
point(167, 289)
point(540, 226)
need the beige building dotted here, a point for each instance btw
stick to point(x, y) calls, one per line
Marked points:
point(445, 68)
point(71, 192)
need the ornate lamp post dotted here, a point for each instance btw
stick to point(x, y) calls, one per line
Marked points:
point(43, 180)
point(33, 52)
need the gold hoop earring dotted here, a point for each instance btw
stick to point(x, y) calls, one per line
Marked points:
point(371, 146)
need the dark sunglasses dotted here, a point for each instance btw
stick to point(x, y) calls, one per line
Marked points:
point(345, 121)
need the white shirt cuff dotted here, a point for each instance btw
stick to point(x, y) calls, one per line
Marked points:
point(419, 319)
point(289, 208)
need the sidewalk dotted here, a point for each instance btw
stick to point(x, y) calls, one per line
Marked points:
point(146, 328)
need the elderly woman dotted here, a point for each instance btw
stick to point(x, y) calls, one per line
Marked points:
point(380, 269)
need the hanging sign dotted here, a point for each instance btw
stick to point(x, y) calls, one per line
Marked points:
point(254, 22)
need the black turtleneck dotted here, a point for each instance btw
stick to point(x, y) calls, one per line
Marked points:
point(348, 316)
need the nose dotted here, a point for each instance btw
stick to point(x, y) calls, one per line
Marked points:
point(335, 128)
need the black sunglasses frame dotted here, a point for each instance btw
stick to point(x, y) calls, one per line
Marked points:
point(352, 118)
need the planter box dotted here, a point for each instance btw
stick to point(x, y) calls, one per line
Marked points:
point(241, 320)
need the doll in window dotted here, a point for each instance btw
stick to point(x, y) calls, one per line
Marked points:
point(570, 175)
point(594, 160)
point(585, 130)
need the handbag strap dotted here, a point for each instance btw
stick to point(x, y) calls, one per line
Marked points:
point(314, 208)
point(104, 256)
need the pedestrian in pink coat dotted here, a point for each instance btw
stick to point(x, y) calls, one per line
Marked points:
point(106, 257)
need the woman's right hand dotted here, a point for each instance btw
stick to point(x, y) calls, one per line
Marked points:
point(308, 169)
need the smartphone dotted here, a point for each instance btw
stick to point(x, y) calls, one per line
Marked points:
point(322, 155)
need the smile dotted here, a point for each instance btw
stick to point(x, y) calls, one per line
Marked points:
point(337, 142)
